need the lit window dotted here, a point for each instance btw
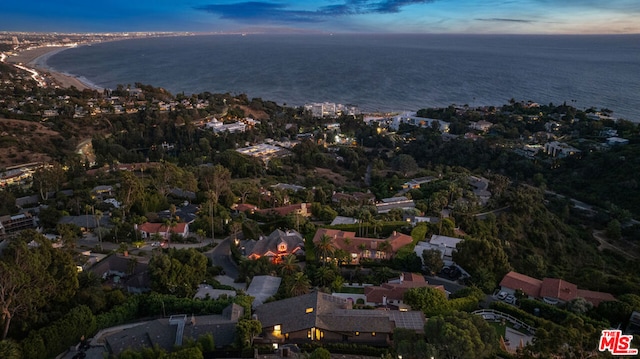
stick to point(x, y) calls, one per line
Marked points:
point(357, 333)
point(309, 310)
point(276, 327)
point(373, 334)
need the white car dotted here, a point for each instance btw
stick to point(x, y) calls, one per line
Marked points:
point(511, 299)
point(502, 295)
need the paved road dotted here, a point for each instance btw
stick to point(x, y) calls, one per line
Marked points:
point(448, 285)
point(220, 255)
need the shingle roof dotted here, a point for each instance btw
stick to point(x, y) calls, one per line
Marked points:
point(265, 245)
point(324, 311)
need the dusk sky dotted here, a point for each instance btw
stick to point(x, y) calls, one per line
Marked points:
point(372, 16)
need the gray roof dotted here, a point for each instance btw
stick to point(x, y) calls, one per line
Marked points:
point(160, 332)
point(268, 244)
point(263, 287)
point(86, 221)
point(324, 311)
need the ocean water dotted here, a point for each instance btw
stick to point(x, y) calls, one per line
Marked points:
point(376, 72)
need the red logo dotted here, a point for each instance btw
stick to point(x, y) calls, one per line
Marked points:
point(617, 343)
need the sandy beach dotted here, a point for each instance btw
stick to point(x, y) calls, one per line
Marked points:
point(36, 58)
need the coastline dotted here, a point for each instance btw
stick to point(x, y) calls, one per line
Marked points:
point(37, 59)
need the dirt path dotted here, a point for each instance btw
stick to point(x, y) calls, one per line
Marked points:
point(604, 244)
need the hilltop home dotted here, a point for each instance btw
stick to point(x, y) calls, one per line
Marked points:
point(364, 248)
point(324, 318)
point(550, 290)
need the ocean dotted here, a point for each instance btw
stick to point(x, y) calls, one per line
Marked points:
point(376, 72)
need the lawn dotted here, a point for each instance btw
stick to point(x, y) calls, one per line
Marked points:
point(500, 328)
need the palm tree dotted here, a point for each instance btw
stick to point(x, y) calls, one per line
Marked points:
point(299, 284)
point(289, 265)
point(324, 276)
point(384, 247)
point(325, 248)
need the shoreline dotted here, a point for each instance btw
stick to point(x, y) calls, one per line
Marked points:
point(36, 59)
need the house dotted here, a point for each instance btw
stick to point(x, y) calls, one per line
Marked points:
point(417, 182)
point(360, 248)
point(392, 293)
point(481, 125)
point(128, 273)
point(147, 230)
point(402, 202)
point(617, 141)
point(16, 223)
point(263, 287)
point(550, 290)
point(244, 208)
point(166, 333)
point(321, 317)
point(302, 209)
point(275, 246)
point(87, 222)
point(360, 198)
point(446, 246)
point(560, 150)
point(186, 213)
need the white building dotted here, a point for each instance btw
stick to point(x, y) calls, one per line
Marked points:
point(411, 118)
point(560, 150)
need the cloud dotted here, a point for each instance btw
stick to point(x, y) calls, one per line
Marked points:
point(497, 19)
point(257, 10)
point(281, 13)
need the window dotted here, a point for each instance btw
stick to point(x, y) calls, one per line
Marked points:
point(357, 333)
point(373, 334)
point(282, 247)
point(309, 310)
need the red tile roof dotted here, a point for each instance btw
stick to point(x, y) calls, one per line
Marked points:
point(514, 280)
point(553, 288)
point(348, 241)
point(595, 298)
point(558, 289)
point(161, 228)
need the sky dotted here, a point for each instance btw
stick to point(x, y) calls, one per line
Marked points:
point(327, 16)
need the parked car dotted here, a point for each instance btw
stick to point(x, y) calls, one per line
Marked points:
point(511, 299)
point(502, 295)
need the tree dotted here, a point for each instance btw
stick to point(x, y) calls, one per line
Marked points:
point(215, 181)
point(320, 353)
point(405, 164)
point(461, 335)
point(246, 330)
point(178, 272)
point(482, 256)
point(130, 191)
point(289, 265)
point(432, 259)
point(297, 284)
point(430, 300)
point(33, 275)
point(10, 350)
point(325, 248)
point(614, 230)
point(48, 178)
